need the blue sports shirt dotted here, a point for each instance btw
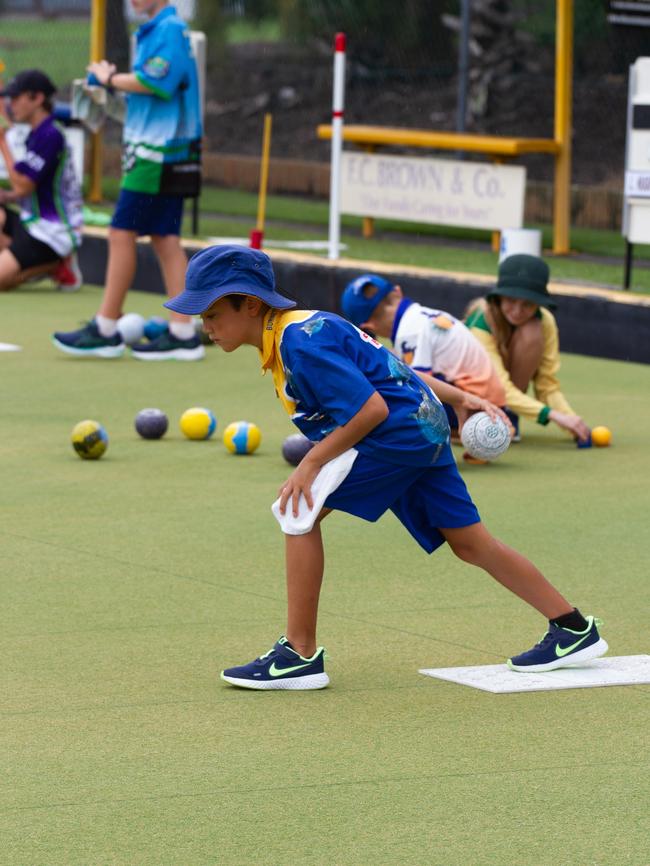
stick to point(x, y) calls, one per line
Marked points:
point(325, 369)
point(162, 126)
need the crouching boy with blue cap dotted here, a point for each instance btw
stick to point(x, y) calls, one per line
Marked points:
point(382, 442)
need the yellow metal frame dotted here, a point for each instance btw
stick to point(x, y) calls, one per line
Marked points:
point(563, 123)
point(97, 52)
point(264, 172)
point(500, 148)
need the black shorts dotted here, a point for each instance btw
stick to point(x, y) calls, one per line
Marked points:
point(29, 252)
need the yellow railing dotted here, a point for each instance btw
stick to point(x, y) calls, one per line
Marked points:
point(497, 147)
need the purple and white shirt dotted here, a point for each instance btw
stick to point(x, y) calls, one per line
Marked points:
point(53, 212)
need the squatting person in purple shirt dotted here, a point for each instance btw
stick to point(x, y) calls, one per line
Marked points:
point(43, 236)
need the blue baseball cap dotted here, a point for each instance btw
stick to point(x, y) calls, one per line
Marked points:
point(227, 270)
point(356, 307)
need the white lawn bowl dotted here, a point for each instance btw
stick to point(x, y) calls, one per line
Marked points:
point(131, 327)
point(484, 438)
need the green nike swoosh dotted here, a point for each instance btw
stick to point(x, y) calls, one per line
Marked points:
point(559, 652)
point(278, 672)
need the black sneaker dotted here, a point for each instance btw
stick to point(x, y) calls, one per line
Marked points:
point(87, 341)
point(168, 347)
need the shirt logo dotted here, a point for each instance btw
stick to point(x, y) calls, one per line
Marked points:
point(156, 67)
point(368, 339)
point(34, 161)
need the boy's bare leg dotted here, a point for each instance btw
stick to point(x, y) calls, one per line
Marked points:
point(525, 353)
point(9, 270)
point(11, 275)
point(173, 263)
point(475, 545)
point(119, 272)
point(305, 561)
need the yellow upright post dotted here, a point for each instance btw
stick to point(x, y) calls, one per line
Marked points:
point(97, 52)
point(563, 121)
point(264, 172)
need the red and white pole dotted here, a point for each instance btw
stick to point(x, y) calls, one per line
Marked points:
point(338, 99)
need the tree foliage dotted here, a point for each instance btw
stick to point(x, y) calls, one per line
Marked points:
point(389, 34)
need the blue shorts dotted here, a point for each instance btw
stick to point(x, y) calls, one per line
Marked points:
point(424, 498)
point(148, 214)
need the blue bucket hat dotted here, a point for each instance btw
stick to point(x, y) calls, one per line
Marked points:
point(227, 270)
point(356, 307)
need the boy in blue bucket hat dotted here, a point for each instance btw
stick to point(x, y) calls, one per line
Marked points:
point(382, 442)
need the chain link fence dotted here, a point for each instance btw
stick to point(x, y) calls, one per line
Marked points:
point(48, 35)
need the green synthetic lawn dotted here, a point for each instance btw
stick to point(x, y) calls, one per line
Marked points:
point(129, 582)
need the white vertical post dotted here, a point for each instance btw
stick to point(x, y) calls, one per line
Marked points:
point(337, 144)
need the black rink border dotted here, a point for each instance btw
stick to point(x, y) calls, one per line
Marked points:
point(590, 324)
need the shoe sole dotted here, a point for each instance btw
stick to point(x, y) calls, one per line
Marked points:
point(100, 352)
point(173, 355)
point(311, 681)
point(591, 652)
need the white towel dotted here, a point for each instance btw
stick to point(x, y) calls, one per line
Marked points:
point(330, 477)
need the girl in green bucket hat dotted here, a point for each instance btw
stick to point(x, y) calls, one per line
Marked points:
point(515, 324)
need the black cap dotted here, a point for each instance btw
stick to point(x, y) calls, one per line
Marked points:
point(29, 81)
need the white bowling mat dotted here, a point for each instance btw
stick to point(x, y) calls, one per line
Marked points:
point(9, 347)
point(613, 671)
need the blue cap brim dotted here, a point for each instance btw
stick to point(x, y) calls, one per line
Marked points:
point(193, 302)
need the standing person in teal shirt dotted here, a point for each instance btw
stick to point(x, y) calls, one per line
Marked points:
point(161, 165)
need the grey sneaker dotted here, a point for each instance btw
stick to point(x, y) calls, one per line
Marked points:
point(168, 347)
point(88, 342)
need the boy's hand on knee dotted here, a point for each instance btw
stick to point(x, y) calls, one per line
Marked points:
point(299, 484)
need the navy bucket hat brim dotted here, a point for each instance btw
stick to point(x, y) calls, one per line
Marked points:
point(216, 272)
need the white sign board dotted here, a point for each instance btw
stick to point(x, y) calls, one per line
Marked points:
point(441, 191)
point(636, 201)
point(17, 136)
point(637, 184)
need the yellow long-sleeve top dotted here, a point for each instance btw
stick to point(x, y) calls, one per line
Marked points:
point(546, 385)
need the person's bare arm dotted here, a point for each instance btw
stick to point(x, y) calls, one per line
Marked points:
point(21, 185)
point(107, 75)
point(463, 402)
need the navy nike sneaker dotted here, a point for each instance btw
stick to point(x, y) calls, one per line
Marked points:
point(561, 647)
point(167, 347)
point(280, 668)
point(89, 342)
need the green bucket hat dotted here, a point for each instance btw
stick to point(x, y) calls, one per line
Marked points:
point(523, 276)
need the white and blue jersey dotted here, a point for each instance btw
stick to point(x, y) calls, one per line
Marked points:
point(162, 129)
point(325, 369)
